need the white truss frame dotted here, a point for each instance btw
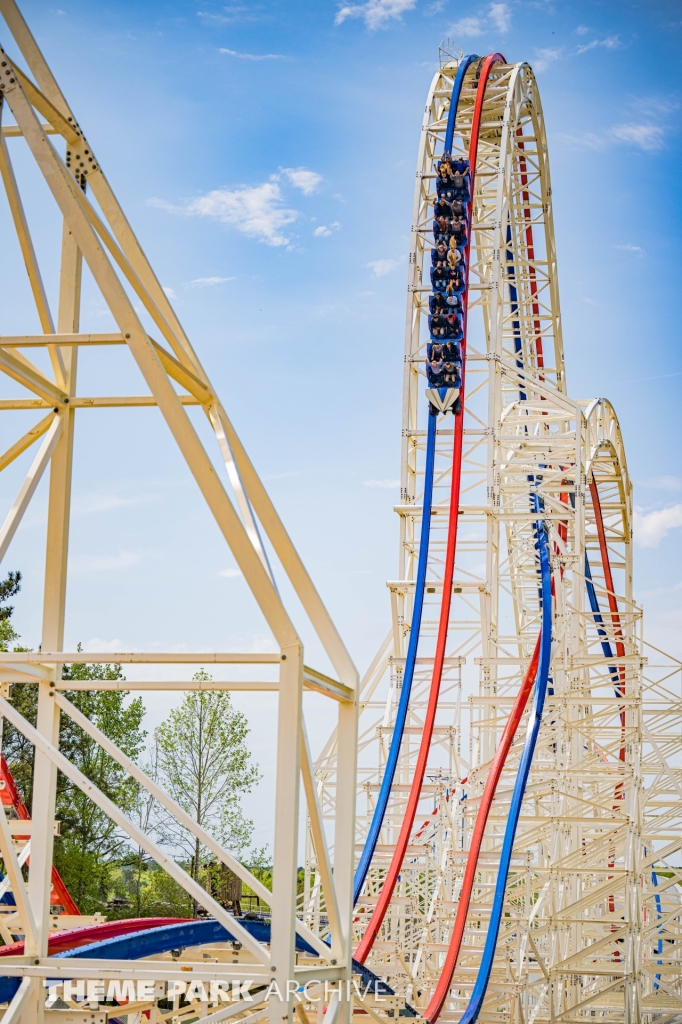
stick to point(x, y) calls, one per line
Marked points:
point(581, 907)
point(96, 231)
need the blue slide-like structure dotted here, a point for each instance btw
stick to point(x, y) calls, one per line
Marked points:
point(164, 939)
point(403, 705)
point(408, 675)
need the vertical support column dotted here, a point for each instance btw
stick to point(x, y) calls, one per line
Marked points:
point(282, 936)
point(344, 836)
point(59, 508)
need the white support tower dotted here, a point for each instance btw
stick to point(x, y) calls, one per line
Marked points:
point(165, 373)
point(593, 884)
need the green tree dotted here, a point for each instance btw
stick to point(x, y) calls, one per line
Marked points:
point(203, 762)
point(8, 588)
point(90, 846)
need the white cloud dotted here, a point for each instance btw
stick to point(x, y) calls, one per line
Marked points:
point(381, 483)
point(208, 282)
point(646, 136)
point(253, 56)
point(500, 15)
point(545, 57)
point(629, 247)
point(610, 43)
point(651, 527)
point(468, 27)
point(230, 574)
point(169, 292)
point(300, 177)
point(497, 19)
point(255, 210)
point(582, 30)
point(97, 644)
point(380, 268)
point(376, 13)
point(666, 483)
point(649, 137)
point(323, 231)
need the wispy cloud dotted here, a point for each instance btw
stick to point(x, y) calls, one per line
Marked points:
point(169, 291)
point(629, 247)
point(649, 137)
point(231, 13)
point(651, 527)
point(582, 30)
point(497, 18)
point(610, 43)
point(96, 643)
point(256, 210)
point(545, 57)
point(376, 13)
point(646, 136)
point(381, 483)
point(254, 56)
point(230, 574)
point(209, 282)
point(380, 268)
point(665, 483)
point(323, 231)
point(500, 15)
point(470, 28)
point(303, 179)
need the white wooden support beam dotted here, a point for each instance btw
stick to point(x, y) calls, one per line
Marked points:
point(13, 131)
point(20, 370)
point(190, 886)
point(16, 880)
point(138, 658)
point(181, 374)
point(243, 503)
point(28, 253)
point(291, 561)
point(177, 811)
point(66, 193)
point(27, 490)
point(344, 833)
point(40, 340)
point(42, 104)
point(33, 57)
point(106, 198)
point(285, 853)
point(54, 601)
point(322, 860)
point(25, 442)
point(25, 995)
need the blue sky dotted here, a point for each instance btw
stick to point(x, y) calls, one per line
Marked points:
point(265, 155)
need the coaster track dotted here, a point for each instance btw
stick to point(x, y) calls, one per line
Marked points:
point(526, 892)
point(500, 876)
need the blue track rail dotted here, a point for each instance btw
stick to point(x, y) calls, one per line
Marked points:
point(597, 615)
point(475, 1004)
point(403, 704)
point(156, 941)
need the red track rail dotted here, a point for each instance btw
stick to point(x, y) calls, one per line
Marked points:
point(395, 866)
point(613, 602)
point(443, 987)
point(11, 797)
point(61, 941)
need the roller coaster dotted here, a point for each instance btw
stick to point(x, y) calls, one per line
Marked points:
point(493, 825)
